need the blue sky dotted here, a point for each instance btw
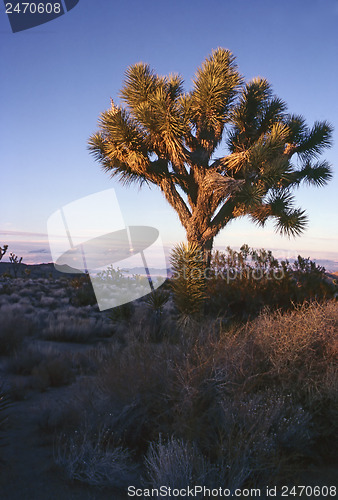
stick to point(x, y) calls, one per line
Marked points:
point(58, 77)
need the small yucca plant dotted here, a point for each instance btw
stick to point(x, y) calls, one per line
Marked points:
point(188, 281)
point(157, 299)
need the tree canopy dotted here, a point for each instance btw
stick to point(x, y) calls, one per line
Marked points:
point(225, 149)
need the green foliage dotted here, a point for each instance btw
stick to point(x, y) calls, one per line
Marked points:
point(310, 280)
point(242, 283)
point(167, 137)
point(157, 299)
point(188, 280)
point(155, 302)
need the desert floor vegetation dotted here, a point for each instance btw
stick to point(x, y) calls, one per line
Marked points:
point(161, 392)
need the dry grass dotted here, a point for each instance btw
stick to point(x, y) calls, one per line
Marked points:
point(232, 403)
point(46, 366)
point(87, 458)
point(63, 328)
point(237, 394)
point(14, 328)
point(173, 463)
point(301, 346)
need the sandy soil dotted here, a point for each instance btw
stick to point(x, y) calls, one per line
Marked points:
point(27, 469)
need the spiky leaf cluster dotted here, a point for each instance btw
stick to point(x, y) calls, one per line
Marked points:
point(188, 281)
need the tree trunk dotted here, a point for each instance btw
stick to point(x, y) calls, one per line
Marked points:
point(194, 236)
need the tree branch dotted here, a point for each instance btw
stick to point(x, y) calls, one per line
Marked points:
point(171, 194)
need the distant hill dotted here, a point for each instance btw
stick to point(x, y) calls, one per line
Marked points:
point(331, 266)
point(49, 270)
point(38, 270)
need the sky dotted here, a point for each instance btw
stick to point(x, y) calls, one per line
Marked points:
point(58, 77)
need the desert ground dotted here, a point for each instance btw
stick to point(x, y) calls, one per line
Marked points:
point(92, 402)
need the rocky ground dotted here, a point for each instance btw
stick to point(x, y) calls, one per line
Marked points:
point(51, 340)
point(30, 309)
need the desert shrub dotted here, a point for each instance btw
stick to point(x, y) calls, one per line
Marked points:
point(122, 313)
point(85, 363)
point(53, 372)
point(174, 464)
point(237, 403)
point(310, 281)
point(259, 431)
point(26, 359)
point(13, 298)
point(324, 407)
point(135, 369)
point(183, 390)
point(117, 286)
point(48, 367)
point(89, 459)
point(216, 385)
point(63, 416)
point(252, 435)
point(242, 283)
point(157, 299)
point(14, 328)
point(82, 292)
point(137, 379)
point(49, 302)
point(300, 345)
point(6, 288)
point(62, 328)
point(302, 351)
point(90, 361)
point(155, 303)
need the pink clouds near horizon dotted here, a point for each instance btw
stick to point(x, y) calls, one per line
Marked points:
point(34, 248)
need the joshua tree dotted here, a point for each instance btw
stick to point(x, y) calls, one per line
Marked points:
point(3, 250)
point(16, 263)
point(223, 150)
